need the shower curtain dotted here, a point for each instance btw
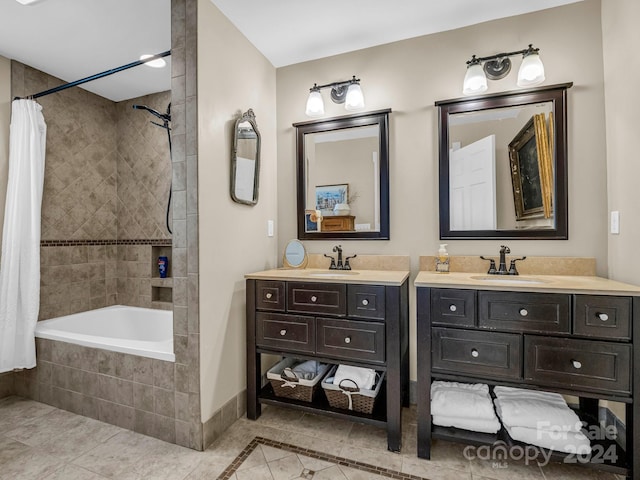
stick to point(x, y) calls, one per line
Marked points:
point(20, 261)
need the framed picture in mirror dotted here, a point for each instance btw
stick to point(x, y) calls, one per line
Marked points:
point(532, 169)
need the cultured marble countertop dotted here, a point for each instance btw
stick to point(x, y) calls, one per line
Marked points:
point(527, 283)
point(378, 277)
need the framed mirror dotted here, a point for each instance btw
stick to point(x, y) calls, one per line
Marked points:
point(245, 160)
point(503, 165)
point(343, 177)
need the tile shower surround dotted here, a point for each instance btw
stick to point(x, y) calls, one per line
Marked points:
point(68, 134)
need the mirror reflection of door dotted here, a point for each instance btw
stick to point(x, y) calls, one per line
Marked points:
point(472, 185)
point(503, 124)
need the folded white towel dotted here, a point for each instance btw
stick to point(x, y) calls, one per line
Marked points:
point(568, 442)
point(364, 378)
point(518, 407)
point(461, 400)
point(484, 425)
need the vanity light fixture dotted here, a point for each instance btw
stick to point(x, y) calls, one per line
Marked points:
point(498, 66)
point(348, 92)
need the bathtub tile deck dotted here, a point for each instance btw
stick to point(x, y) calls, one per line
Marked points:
point(38, 441)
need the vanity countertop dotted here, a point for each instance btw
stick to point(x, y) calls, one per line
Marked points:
point(378, 277)
point(529, 283)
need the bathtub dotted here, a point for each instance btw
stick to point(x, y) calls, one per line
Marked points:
point(132, 330)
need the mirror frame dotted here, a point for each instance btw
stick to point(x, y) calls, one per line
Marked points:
point(557, 95)
point(250, 117)
point(378, 117)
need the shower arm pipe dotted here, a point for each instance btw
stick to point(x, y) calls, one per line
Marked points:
point(96, 76)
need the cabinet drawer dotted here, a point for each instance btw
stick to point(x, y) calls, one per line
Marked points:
point(285, 332)
point(270, 295)
point(584, 364)
point(478, 353)
point(602, 316)
point(325, 298)
point(453, 307)
point(362, 341)
point(366, 301)
point(524, 312)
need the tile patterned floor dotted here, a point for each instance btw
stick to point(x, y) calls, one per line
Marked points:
point(38, 441)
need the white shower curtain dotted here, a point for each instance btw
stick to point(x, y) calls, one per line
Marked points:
point(20, 261)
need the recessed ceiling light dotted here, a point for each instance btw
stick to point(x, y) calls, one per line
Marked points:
point(26, 2)
point(157, 63)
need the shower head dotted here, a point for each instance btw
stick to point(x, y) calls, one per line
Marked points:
point(165, 117)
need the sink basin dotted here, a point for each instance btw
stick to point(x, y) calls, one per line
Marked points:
point(333, 273)
point(507, 279)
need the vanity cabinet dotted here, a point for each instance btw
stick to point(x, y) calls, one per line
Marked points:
point(570, 342)
point(361, 324)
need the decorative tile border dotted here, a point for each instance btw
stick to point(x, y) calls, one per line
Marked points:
point(364, 467)
point(78, 243)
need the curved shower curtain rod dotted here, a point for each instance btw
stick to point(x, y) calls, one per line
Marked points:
point(95, 77)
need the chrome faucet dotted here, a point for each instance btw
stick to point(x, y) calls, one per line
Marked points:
point(502, 266)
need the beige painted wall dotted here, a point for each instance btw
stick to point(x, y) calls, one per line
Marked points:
point(619, 33)
point(5, 117)
point(233, 237)
point(409, 76)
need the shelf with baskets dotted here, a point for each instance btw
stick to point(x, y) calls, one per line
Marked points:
point(351, 324)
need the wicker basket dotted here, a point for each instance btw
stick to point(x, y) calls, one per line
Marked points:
point(290, 386)
point(348, 396)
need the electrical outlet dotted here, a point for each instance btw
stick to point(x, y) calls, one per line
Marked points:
point(615, 222)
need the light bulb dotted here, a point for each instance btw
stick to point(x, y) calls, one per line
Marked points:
point(531, 71)
point(355, 99)
point(475, 81)
point(315, 105)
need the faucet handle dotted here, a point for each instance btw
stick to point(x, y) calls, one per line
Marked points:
point(492, 265)
point(512, 267)
point(346, 262)
point(333, 262)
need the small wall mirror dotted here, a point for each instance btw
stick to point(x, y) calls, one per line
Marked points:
point(245, 160)
point(295, 255)
point(503, 165)
point(343, 177)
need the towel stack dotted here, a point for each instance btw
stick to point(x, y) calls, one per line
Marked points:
point(463, 405)
point(540, 418)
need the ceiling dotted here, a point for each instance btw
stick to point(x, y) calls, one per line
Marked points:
point(73, 39)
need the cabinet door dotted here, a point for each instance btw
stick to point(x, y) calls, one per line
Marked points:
point(323, 298)
point(602, 316)
point(489, 354)
point(270, 295)
point(285, 332)
point(524, 312)
point(359, 341)
point(582, 364)
point(366, 301)
point(450, 306)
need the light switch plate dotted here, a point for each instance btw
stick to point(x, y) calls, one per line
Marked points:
point(270, 228)
point(615, 222)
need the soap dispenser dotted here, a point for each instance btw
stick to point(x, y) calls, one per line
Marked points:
point(442, 260)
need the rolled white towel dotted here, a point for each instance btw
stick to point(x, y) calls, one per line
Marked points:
point(568, 442)
point(364, 378)
point(461, 400)
point(484, 425)
point(518, 407)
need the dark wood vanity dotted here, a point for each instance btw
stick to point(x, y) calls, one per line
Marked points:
point(572, 335)
point(359, 318)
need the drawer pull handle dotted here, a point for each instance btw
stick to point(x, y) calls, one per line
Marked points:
point(576, 364)
point(475, 353)
point(453, 308)
point(365, 302)
point(269, 295)
point(283, 332)
point(603, 316)
point(314, 299)
point(524, 312)
point(347, 339)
